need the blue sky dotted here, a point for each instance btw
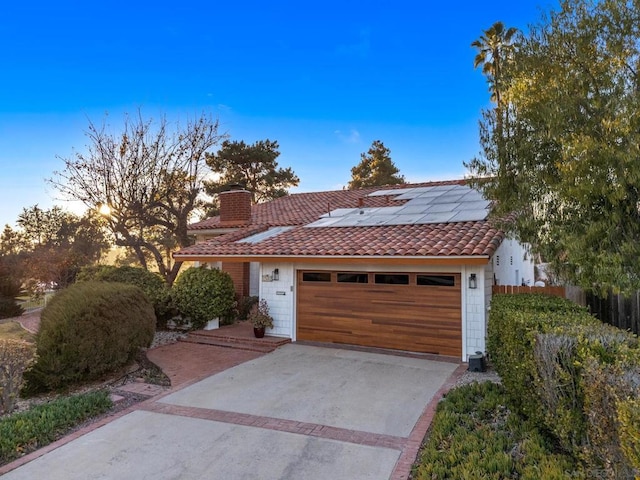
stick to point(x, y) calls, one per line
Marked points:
point(324, 80)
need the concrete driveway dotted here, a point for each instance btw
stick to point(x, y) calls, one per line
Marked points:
point(299, 412)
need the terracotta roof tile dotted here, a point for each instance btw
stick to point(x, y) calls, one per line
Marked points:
point(302, 208)
point(443, 239)
point(472, 238)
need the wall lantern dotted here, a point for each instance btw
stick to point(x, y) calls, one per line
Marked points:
point(473, 281)
point(275, 275)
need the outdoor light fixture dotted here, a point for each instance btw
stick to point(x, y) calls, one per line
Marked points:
point(473, 281)
point(276, 275)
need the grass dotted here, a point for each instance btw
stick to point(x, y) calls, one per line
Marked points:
point(25, 432)
point(475, 435)
point(14, 331)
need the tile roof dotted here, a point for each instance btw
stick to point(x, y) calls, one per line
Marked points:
point(426, 240)
point(303, 208)
point(466, 238)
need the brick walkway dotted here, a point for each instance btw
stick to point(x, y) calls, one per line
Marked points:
point(186, 363)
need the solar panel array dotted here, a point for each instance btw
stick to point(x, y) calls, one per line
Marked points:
point(438, 204)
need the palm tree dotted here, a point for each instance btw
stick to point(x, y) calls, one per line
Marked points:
point(494, 47)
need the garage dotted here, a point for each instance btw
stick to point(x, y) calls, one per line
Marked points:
point(419, 312)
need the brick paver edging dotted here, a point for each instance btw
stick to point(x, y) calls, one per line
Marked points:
point(280, 424)
point(413, 443)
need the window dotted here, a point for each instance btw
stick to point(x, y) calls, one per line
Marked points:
point(316, 276)
point(436, 280)
point(353, 278)
point(392, 278)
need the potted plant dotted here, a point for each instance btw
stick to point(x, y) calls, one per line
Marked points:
point(260, 318)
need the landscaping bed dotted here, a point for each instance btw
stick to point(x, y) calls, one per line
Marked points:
point(474, 434)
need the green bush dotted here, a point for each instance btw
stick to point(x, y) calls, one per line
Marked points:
point(609, 389)
point(9, 308)
point(475, 435)
point(569, 374)
point(10, 286)
point(514, 322)
point(628, 416)
point(88, 330)
point(15, 357)
point(202, 294)
point(245, 306)
point(24, 432)
point(150, 283)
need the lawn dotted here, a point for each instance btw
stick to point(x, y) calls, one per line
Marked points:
point(13, 330)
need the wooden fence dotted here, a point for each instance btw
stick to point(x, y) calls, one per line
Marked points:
point(555, 291)
point(617, 310)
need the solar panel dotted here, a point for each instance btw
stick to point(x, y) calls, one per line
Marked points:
point(437, 204)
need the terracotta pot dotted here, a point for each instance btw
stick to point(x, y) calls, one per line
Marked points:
point(258, 332)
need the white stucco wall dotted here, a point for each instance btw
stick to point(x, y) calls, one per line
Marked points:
point(512, 264)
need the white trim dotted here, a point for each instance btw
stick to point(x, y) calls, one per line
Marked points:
point(336, 258)
point(463, 309)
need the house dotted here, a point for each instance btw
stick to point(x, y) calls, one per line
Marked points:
point(407, 267)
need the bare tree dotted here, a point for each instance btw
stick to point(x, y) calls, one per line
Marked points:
point(147, 181)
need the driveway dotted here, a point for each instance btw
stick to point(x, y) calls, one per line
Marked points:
point(299, 412)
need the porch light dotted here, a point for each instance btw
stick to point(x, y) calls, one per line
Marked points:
point(275, 275)
point(473, 281)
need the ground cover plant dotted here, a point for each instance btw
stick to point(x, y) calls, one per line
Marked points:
point(475, 434)
point(27, 431)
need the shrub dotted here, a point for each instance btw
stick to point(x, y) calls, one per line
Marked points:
point(202, 294)
point(9, 308)
point(514, 322)
point(245, 306)
point(88, 330)
point(10, 286)
point(628, 415)
point(27, 431)
point(607, 389)
point(15, 357)
point(571, 375)
point(150, 283)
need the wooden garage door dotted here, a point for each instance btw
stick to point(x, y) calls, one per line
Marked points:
point(404, 311)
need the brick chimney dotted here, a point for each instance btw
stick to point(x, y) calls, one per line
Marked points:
point(235, 206)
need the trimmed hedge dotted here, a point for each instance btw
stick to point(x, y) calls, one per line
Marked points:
point(202, 294)
point(571, 375)
point(88, 330)
point(150, 283)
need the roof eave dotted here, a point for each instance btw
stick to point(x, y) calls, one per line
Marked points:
point(352, 260)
